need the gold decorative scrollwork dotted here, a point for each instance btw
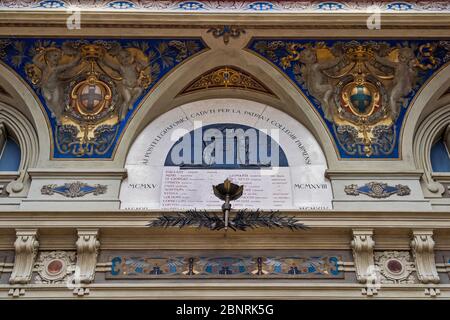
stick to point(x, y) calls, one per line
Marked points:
point(226, 77)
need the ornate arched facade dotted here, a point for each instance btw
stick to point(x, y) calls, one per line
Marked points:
point(98, 99)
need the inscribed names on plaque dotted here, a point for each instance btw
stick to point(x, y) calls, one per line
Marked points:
point(188, 189)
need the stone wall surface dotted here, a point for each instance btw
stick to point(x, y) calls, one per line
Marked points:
point(96, 102)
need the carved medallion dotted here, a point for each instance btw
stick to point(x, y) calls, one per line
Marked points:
point(55, 266)
point(395, 266)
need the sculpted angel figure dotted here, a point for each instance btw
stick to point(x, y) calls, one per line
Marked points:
point(133, 79)
point(48, 76)
point(405, 74)
point(316, 81)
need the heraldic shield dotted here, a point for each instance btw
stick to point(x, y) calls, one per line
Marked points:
point(90, 98)
point(362, 98)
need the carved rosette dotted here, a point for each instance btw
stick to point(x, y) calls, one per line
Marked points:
point(395, 267)
point(54, 267)
point(422, 246)
point(26, 246)
point(87, 251)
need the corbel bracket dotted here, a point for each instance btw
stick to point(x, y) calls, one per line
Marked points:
point(26, 246)
point(422, 246)
point(366, 271)
point(87, 251)
point(362, 247)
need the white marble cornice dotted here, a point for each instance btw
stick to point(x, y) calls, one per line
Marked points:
point(203, 290)
point(260, 20)
point(370, 173)
point(314, 219)
point(120, 173)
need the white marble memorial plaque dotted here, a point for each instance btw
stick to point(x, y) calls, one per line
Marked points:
point(153, 185)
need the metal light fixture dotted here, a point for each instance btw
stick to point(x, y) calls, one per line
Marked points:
point(228, 192)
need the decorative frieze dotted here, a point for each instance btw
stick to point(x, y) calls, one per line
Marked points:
point(26, 247)
point(232, 265)
point(74, 189)
point(87, 251)
point(422, 246)
point(235, 7)
point(378, 190)
point(395, 267)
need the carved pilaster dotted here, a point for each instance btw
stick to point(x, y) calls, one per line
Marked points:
point(87, 250)
point(26, 246)
point(422, 246)
point(362, 246)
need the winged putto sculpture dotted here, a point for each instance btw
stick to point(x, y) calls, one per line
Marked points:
point(89, 88)
point(362, 89)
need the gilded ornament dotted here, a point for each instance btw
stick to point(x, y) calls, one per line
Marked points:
point(360, 87)
point(226, 77)
point(226, 32)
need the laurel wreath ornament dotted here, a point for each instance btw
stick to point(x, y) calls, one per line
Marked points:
point(242, 220)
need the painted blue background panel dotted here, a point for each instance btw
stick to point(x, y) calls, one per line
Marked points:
point(10, 156)
point(19, 52)
point(440, 159)
point(391, 149)
point(252, 148)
